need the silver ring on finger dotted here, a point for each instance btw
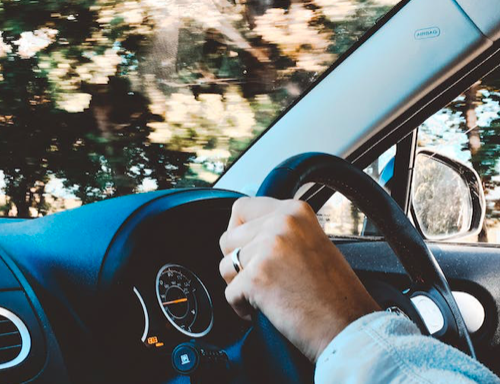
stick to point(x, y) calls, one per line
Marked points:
point(235, 258)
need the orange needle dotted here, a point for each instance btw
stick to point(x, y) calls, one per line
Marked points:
point(176, 301)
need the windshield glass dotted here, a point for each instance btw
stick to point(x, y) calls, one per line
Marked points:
point(101, 98)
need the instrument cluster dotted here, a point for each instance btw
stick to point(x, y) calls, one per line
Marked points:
point(180, 309)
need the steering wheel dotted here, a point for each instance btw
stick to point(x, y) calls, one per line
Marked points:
point(283, 363)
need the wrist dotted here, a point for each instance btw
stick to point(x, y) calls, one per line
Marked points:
point(334, 328)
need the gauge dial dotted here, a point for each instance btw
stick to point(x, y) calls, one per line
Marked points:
point(184, 300)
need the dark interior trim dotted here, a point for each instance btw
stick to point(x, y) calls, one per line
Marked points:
point(403, 170)
point(427, 106)
point(409, 121)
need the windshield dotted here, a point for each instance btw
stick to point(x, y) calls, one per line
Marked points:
point(101, 98)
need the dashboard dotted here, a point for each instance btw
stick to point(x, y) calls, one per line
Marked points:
point(169, 289)
point(107, 292)
point(119, 285)
point(174, 276)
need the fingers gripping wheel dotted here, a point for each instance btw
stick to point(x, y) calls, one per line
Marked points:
point(424, 272)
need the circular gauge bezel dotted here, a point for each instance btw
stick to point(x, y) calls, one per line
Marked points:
point(167, 315)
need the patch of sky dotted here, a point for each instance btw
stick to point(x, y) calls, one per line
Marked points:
point(148, 184)
point(442, 132)
point(56, 188)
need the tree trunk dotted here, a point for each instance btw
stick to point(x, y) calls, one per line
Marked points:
point(101, 108)
point(474, 144)
point(19, 197)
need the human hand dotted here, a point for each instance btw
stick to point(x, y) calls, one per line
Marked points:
point(291, 272)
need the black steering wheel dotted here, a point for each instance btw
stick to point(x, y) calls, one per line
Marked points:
point(283, 363)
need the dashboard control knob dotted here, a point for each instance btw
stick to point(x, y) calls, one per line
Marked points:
point(186, 358)
point(200, 361)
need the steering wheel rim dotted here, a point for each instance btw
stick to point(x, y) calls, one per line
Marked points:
point(426, 277)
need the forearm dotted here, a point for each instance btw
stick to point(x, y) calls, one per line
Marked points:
point(383, 348)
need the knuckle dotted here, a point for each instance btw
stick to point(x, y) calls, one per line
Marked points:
point(227, 270)
point(265, 243)
point(284, 223)
point(222, 269)
point(257, 272)
point(226, 242)
point(229, 294)
point(270, 245)
point(290, 222)
point(223, 241)
point(299, 208)
point(262, 268)
point(238, 204)
point(277, 245)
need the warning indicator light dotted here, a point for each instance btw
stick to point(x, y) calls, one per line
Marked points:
point(152, 340)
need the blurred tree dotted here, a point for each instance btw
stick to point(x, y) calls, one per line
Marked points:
point(468, 109)
point(86, 126)
point(486, 158)
point(24, 145)
point(100, 98)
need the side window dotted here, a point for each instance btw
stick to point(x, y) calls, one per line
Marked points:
point(339, 217)
point(468, 130)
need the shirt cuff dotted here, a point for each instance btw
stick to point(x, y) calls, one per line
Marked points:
point(355, 347)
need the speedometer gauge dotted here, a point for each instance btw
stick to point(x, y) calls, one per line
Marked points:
point(184, 300)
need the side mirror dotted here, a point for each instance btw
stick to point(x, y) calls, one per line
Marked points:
point(447, 197)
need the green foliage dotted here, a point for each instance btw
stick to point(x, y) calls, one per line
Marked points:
point(100, 98)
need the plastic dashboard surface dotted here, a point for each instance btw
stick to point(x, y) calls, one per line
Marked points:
point(28, 347)
point(87, 266)
point(95, 271)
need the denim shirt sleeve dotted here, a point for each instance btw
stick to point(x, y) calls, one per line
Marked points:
point(382, 348)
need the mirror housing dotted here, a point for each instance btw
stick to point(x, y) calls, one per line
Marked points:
point(447, 197)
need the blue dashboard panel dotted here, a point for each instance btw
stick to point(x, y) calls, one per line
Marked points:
point(67, 260)
point(74, 240)
point(7, 279)
point(75, 243)
point(10, 220)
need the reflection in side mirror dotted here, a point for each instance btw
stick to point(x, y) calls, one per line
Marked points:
point(447, 197)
